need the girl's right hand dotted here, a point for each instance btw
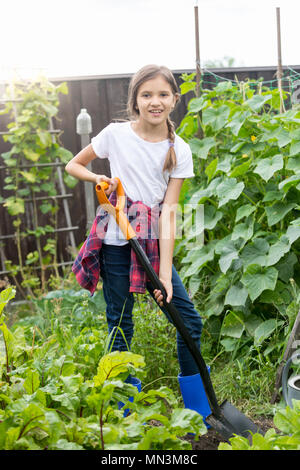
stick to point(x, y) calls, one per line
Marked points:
point(113, 183)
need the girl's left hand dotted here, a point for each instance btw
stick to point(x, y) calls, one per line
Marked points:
point(169, 290)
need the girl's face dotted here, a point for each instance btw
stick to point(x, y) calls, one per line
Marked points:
point(155, 100)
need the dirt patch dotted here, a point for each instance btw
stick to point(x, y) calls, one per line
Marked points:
point(211, 440)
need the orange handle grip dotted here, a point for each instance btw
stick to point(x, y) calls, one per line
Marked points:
point(117, 210)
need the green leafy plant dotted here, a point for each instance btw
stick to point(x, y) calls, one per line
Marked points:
point(5, 296)
point(32, 177)
point(61, 391)
point(244, 278)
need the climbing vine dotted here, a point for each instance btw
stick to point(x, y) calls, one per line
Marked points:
point(31, 182)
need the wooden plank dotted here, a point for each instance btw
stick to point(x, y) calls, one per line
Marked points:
point(90, 100)
point(117, 98)
point(101, 166)
point(94, 99)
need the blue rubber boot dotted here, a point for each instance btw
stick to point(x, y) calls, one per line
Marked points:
point(137, 383)
point(193, 394)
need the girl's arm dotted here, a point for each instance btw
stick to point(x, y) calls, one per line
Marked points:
point(77, 168)
point(167, 232)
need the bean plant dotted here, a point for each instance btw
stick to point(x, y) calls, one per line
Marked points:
point(244, 273)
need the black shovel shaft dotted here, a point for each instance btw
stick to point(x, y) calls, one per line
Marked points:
point(180, 326)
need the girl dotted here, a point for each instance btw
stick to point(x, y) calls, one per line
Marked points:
point(152, 163)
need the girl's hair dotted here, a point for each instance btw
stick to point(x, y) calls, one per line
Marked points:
point(144, 74)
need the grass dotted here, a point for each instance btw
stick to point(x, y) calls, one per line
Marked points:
point(247, 387)
point(155, 339)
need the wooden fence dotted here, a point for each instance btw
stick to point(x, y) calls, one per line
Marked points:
point(105, 98)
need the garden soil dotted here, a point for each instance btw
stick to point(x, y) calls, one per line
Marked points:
point(211, 440)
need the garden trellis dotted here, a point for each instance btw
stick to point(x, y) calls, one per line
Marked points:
point(290, 83)
point(31, 173)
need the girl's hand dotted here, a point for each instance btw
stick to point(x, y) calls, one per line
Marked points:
point(113, 183)
point(169, 290)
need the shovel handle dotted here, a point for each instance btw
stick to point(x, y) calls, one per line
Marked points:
point(102, 198)
point(116, 211)
point(130, 235)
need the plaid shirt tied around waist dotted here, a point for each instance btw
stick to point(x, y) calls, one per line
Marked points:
point(144, 220)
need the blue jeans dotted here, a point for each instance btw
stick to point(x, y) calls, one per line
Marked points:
point(114, 266)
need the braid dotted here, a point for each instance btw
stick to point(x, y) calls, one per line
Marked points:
point(170, 161)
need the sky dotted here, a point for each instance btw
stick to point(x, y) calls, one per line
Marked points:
point(68, 38)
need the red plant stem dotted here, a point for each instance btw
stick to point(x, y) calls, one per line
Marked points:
point(24, 427)
point(7, 363)
point(101, 426)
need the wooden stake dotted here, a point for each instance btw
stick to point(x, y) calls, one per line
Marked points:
point(198, 70)
point(279, 66)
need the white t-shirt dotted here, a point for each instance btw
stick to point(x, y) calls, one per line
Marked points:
point(139, 164)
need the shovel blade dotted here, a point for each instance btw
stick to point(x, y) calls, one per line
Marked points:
point(232, 421)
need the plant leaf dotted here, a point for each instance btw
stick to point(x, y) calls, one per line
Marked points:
point(278, 211)
point(258, 278)
point(211, 217)
point(200, 257)
point(32, 382)
point(255, 252)
point(236, 123)
point(29, 177)
point(278, 250)
point(257, 101)
point(216, 117)
point(228, 254)
point(200, 148)
point(243, 230)
point(31, 155)
point(241, 169)
point(244, 211)
point(289, 182)
point(229, 189)
point(264, 330)
point(295, 147)
point(196, 104)
point(5, 296)
point(236, 296)
point(113, 364)
point(233, 325)
point(211, 169)
point(266, 167)
point(15, 205)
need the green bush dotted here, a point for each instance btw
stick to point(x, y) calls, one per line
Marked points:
point(244, 278)
point(60, 389)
